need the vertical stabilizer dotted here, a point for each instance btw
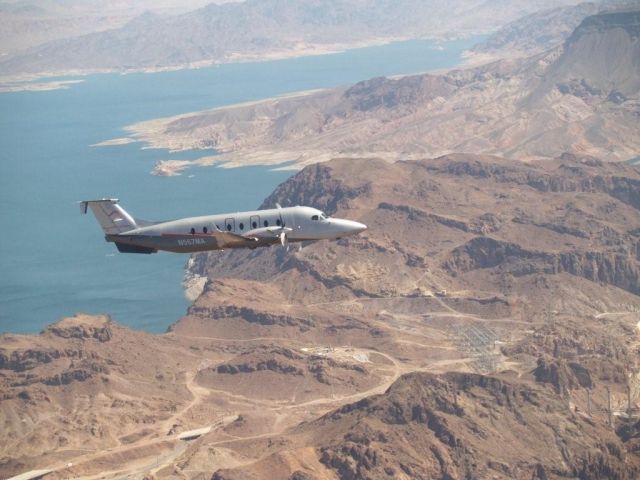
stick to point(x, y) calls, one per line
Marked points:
point(112, 217)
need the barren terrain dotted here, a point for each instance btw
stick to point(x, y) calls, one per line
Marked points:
point(234, 31)
point(485, 325)
point(527, 274)
point(522, 277)
point(582, 96)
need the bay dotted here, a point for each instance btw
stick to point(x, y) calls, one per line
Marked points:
point(54, 262)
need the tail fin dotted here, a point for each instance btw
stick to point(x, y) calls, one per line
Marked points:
point(112, 217)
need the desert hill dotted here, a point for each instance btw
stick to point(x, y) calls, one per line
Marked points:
point(458, 217)
point(487, 324)
point(516, 241)
point(455, 425)
point(88, 396)
point(521, 277)
point(601, 57)
point(84, 383)
point(283, 373)
point(580, 97)
point(28, 23)
point(254, 28)
point(543, 30)
point(527, 272)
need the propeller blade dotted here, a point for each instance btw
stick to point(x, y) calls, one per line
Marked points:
point(280, 213)
point(283, 229)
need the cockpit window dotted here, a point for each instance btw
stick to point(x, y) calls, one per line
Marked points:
point(314, 217)
point(323, 216)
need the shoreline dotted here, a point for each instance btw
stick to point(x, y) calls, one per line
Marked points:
point(151, 133)
point(24, 81)
point(11, 87)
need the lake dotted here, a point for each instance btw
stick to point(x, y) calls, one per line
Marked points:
point(55, 262)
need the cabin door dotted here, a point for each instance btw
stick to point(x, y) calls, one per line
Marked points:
point(230, 224)
point(254, 221)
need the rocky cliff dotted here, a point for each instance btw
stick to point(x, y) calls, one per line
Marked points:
point(579, 97)
point(455, 426)
point(525, 273)
point(458, 216)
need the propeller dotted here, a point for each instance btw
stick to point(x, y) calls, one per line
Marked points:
point(283, 230)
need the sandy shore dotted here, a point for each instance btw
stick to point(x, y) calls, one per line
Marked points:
point(6, 87)
point(115, 141)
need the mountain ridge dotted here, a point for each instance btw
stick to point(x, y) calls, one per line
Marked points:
point(580, 98)
point(260, 27)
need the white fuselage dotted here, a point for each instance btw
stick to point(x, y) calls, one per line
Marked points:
point(235, 230)
point(306, 223)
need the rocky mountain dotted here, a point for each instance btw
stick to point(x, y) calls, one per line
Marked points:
point(455, 425)
point(567, 220)
point(581, 97)
point(84, 383)
point(485, 325)
point(255, 28)
point(601, 57)
point(508, 291)
point(470, 263)
point(537, 32)
point(28, 23)
point(542, 30)
point(284, 372)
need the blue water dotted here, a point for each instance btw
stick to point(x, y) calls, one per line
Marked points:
point(54, 262)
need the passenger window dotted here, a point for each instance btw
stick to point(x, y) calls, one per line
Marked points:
point(254, 225)
point(266, 223)
point(315, 217)
point(241, 226)
point(229, 227)
point(193, 231)
point(204, 230)
point(278, 222)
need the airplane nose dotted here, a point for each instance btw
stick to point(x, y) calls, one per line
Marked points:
point(343, 228)
point(358, 227)
point(350, 227)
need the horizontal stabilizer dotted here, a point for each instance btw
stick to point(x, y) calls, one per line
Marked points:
point(112, 217)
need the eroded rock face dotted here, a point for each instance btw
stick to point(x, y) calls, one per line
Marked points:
point(407, 92)
point(440, 426)
point(575, 215)
point(76, 375)
point(534, 251)
point(562, 375)
point(619, 269)
point(284, 361)
point(329, 192)
point(280, 360)
point(248, 314)
point(22, 360)
point(84, 383)
point(99, 329)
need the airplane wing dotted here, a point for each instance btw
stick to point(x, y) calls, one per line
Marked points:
point(228, 239)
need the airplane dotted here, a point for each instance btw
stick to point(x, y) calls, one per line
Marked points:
point(252, 229)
